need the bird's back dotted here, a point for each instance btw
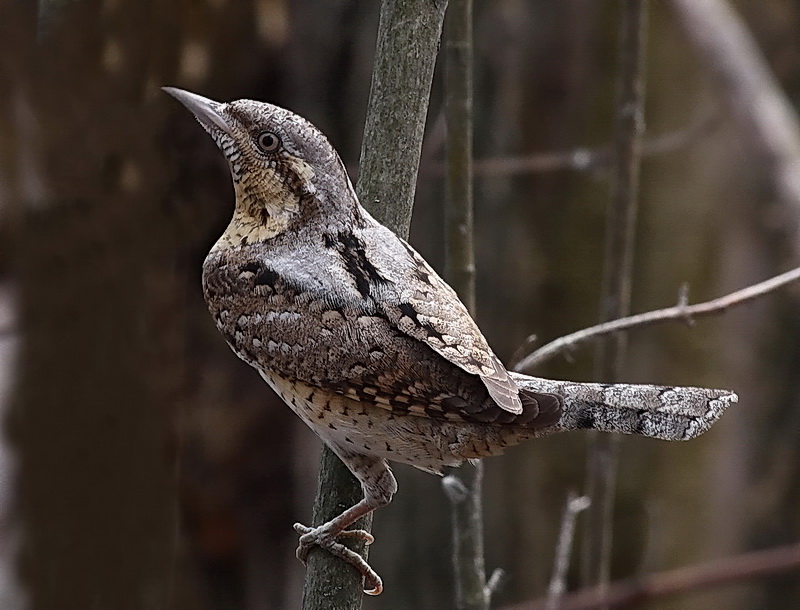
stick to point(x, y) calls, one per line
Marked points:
point(300, 313)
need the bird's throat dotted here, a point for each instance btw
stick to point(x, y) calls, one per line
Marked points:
point(253, 226)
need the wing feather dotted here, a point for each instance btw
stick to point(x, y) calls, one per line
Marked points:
point(430, 311)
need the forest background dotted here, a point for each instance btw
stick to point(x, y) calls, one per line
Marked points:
point(144, 466)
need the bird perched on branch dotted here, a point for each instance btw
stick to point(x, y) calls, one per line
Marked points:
point(364, 341)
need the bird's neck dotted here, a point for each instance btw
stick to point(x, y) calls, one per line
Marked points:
point(252, 226)
point(259, 217)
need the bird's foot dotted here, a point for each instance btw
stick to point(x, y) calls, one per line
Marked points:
point(322, 537)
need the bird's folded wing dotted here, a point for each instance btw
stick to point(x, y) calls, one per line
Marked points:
point(431, 312)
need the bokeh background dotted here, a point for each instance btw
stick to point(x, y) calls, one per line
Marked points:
point(144, 466)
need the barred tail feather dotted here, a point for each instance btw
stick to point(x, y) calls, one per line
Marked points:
point(664, 412)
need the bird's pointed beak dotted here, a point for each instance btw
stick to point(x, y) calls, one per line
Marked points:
point(207, 111)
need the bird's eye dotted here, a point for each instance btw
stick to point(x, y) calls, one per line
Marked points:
point(268, 142)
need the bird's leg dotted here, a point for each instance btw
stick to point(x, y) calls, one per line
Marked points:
point(326, 536)
point(379, 486)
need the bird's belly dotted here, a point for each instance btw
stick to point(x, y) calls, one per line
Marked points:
point(422, 442)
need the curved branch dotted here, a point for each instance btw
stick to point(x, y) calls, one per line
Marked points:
point(681, 312)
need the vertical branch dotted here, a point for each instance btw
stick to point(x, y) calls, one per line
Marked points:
point(460, 252)
point(408, 39)
point(615, 299)
point(409, 33)
point(558, 582)
point(465, 490)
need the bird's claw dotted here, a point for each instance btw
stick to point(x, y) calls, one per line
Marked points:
point(321, 537)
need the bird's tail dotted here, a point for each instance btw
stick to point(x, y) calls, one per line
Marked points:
point(668, 413)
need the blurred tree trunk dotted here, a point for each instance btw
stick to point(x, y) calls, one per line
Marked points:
point(100, 319)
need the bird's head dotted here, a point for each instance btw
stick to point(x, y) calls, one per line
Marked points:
point(284, 169)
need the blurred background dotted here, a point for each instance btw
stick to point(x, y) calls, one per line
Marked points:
point(143, 466)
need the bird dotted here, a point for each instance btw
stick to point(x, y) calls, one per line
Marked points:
point(365, 342)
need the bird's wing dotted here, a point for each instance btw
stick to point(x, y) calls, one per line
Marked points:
point(430, 311)
point(280, 324)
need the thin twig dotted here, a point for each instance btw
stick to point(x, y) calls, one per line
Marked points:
point(635, 591)
point(590, 159)
point(682, 312)
point(495, 581)
point(472, 590)
point(558, 582)
point(617, 272)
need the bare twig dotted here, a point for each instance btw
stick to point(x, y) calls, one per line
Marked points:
point(591, 159)
point(558, 582)
point(472, 591)
point(615, 299)
point(583, 158)
point(764, 116)
point(408, 39)
point(495, 581)
point(682, 312)
point(635, 591)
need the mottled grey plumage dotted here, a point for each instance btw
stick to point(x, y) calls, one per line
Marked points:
point(364, 341)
